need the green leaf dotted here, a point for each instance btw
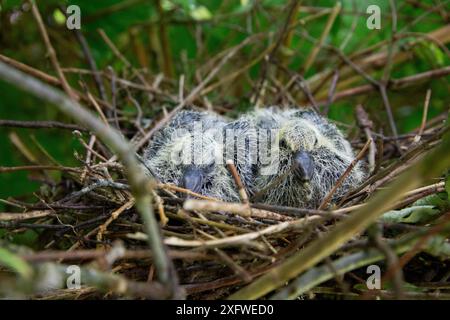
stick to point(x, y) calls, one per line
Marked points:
point(414, 214)
point(388, 286)
point(201, 13)
point(439, 201)
point(59, 17)
point(15, 263)
point(422, 211)
point(438, 246)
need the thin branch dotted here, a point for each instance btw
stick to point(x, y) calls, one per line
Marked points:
point(51, 51)
point(139, 181)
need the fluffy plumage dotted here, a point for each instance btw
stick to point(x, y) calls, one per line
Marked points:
point(188, 152)
point(241, 146)
point(299, 149)
point(309, 154)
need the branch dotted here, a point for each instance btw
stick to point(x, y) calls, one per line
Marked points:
point(429, 166)
point(140, 184)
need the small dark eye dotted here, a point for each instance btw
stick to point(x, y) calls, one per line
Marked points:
point(283, 144)
point(316, 141)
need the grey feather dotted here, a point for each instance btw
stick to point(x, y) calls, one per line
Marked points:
point(304, 131)
point(188, 152)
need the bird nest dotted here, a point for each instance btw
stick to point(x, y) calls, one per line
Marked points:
point(88, 219)
point(92, 218)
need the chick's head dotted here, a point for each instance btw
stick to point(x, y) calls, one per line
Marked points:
point(311, 156)
point(299, 140)
point(192, 159)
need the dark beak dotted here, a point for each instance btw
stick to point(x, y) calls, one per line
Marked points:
point(303, 165)
point(193, 179)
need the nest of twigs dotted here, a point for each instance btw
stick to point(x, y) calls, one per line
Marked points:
point(88, 217)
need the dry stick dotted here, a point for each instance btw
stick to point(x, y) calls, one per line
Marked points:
point(315, 50)
point(331, 93)
point(97, 107)
point(18, 143)
point(87, 160)
point(140, 183)
point(229, 77)
point(394, 84)
point(92, 64)
point(412, 154)
point(197, 90)
point(5, 216)
point(283, 34)
point(242, 238)
point(237, 179)
point(374, 60)
point(164, 40)
point(40, 125)
point(183, 190)
point(387, 105)
point(424, 116)
point(380, 85)
point(406, 81)
point(391, 259)
point(238, 270)
point(160, 205)
point(121, 56)
point(114, 216)
point(288, 33)
point(51, 51)
point(303, 85)
point(30, 70)
point(38, 167)
point(429, 166)
point(207, 205)
point(89, 254)
point(367, 125)
point(392, 41)
point(89, 148)
point(44, 77)
point(235, 208)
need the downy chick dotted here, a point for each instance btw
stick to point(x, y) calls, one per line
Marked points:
point(188, 152)
point(241, 145)
point(308, 156)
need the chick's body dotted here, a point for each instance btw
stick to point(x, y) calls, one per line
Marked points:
point(188, 152)
point(308, 155)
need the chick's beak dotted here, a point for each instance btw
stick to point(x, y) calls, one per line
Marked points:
point(192, 179)
point(303, 165)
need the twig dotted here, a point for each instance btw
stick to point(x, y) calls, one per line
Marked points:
point(345, 174)
point(331, 93)
point(430, 165)
point(38, 167)
point(424, 116)
point(241, 239)
point(51, 51)
point(237, 179)
point(40, 125)
point(114, 216)
point(367, 125)
point(5, 216)
point(315, 50)
point(140, 183)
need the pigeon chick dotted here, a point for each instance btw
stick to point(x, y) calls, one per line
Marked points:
point(308, 155)
point(241, 143)
point(188, 152)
